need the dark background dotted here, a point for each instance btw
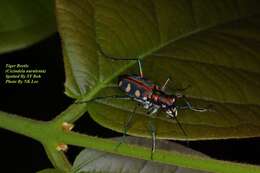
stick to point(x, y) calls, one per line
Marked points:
point(22, 154)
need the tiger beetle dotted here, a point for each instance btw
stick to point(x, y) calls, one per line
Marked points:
point(150, 96)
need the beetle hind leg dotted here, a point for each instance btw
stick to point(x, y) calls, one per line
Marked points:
point(152, 129)
point(127, 126)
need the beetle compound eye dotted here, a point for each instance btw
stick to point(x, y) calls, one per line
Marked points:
point(128, 88)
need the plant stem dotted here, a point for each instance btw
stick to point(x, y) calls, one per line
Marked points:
point(57, 158)
point(24, 126)
point(41, 130)
point(162, 156)
point(71, 114)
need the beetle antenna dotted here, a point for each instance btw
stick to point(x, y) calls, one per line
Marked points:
point(191, 107)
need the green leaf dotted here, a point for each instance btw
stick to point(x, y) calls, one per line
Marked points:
point(23, 23)
point(50, 170)
point(211, 45)
point(91, 161)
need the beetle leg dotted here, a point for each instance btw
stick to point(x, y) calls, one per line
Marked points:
point(127, 126)
point(153, 109)
point(104, 98)
point(150, 110)
point(122, 59)
point(140, 68)
point(128, 121)
point(153, 135)
point(183, 89)
point(165, 83)
point(174, 116)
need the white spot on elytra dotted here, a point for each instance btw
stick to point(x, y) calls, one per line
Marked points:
point(137, 93)
point(120, 83)
point(128, 88)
